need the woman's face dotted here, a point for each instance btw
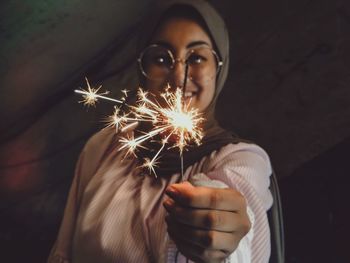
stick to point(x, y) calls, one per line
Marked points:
point(187, 40)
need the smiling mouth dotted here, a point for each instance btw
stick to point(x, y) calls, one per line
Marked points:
point(190, 94)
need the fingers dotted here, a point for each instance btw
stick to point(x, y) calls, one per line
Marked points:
point(223, 221)
point(204, 239)
point(198, 254)
point(206, 197)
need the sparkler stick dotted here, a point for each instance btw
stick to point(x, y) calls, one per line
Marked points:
point(175, 118)
point(183, 103)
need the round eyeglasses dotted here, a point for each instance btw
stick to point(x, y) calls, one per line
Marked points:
point(157, 62)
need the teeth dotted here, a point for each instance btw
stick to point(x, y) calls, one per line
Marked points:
point(188, 94)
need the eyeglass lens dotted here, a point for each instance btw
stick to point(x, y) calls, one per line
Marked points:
point(157, 62)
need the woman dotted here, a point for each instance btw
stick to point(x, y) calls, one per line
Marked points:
point(116, 213)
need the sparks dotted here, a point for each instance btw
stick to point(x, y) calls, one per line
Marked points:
point(125, 92)
point(174, 124)
point(91, 95)
point(117, 120)
point(150, 165)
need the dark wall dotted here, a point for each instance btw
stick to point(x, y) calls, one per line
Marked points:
point(316, 208)
point(287, 90)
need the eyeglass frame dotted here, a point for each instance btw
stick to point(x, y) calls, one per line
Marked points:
point(174, 60)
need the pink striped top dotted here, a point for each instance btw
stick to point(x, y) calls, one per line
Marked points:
point(115, 214)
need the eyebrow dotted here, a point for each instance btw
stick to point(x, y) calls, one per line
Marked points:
point(190, 45)
point(197, 43)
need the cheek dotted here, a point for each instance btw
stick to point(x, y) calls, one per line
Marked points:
point(153, 87)
point(206, 94)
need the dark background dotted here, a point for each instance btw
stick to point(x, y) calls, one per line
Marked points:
point(287, 90)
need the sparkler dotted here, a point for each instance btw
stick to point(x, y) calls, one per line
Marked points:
point(174, 125)
point(91, 95)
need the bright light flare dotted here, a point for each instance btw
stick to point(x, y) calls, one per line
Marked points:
point(175, 124)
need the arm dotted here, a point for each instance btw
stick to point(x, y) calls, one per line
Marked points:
point(61, 251)
point(89, 160)
point(245, 170)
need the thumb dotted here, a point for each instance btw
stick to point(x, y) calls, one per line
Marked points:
point(177, 190)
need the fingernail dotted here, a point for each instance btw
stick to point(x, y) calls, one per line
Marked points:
point(171, 191)
point(169, 202)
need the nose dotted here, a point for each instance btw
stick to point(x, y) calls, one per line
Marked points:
point(178, 74)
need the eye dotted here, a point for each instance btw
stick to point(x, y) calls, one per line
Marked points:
point(162, 60)
point(159, 60)
point(196, 59)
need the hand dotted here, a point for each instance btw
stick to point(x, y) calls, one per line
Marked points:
point(205, 223)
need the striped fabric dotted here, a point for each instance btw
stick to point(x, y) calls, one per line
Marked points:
point(114, 212)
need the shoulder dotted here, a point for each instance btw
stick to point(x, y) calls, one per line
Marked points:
point(94, 151)
point(241, 154)
point(99, 146)
point(100, 141)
